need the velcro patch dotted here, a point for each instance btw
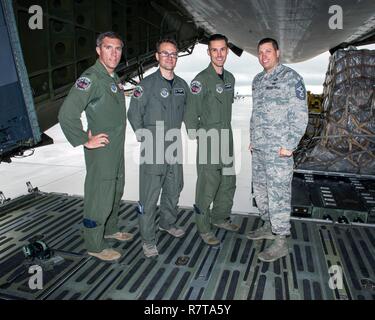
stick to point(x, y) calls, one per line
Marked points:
point(89, 224)
point(179, 92)
point(138, 92)
point(196, 87)
point(300, 90)
point(83, 84)
point(228, 87)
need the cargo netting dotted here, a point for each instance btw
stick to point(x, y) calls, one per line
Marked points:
point(342, 137)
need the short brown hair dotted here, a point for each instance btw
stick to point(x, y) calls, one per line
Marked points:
point(108, 34)
point(218, 36)
point(269, 40)
point(166, 40)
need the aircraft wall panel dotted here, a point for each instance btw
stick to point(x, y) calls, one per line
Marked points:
point(29, 3)
point(67, 40)
point(34, 44)
point(63, 9)
point(84, 14)
point(63, 76)
point(40, 86)
point(85, 42)
point(84, 64)
point(62, 42)
point(118, 19)
point(131, 33)
point(103, 20)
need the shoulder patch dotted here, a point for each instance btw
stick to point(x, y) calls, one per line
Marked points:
point(300, 90)
point(138, 92)
point(196, 87)
point(83, 84)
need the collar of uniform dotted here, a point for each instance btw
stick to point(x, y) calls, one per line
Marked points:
point(158, 72)
point(274, 72)
point(99, 66)
point(213, 72)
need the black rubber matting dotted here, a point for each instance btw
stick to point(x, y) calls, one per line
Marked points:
point(186, 268)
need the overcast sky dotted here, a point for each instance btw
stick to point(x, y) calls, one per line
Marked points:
point(247, 66)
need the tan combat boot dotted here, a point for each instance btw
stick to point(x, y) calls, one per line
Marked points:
point(210, 239)
point(120, 236)
point(175, 232)
point(277, 250)
point(106, 255)
point(227, 225)
point(263, 232)
point(150, 250)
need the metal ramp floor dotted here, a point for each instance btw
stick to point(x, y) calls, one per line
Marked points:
point(186, 268)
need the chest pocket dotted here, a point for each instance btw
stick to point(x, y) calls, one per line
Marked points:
point(178, 110)
point(155, 109)
point(228, 92)
point(212, 107)
point(109, 108)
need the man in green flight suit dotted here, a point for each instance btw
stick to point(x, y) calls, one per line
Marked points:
point(156, 114)
point(100, 94)
point(208, 119)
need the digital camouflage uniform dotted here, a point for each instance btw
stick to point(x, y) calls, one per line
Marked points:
point(102, 98)
point(279, 119)
point(209, 108)
point(156, 105)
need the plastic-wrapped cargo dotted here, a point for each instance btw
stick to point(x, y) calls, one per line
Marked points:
point(345, 142)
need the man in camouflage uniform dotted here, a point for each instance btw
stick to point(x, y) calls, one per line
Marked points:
point(209, 112)
point(158, 103)
point(278, 122)
point(100, 94)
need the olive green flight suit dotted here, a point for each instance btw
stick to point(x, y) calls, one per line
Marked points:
point(209, 107)
point(102, 98)
point(158, 106)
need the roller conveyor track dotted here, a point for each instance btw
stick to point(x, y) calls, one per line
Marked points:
point(186, 268)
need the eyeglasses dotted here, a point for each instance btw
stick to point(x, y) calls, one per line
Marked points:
point(165, 54)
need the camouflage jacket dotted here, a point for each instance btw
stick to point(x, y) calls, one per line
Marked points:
point(279, 117)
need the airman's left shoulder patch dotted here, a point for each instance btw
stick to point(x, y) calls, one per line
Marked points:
point(300, 90)
point(138, 92)
point(196, 87)
point(83, 84)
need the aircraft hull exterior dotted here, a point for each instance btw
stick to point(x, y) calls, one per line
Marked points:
point(301, 27)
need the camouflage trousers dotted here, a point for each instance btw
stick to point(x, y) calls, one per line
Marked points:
point(272, 180)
